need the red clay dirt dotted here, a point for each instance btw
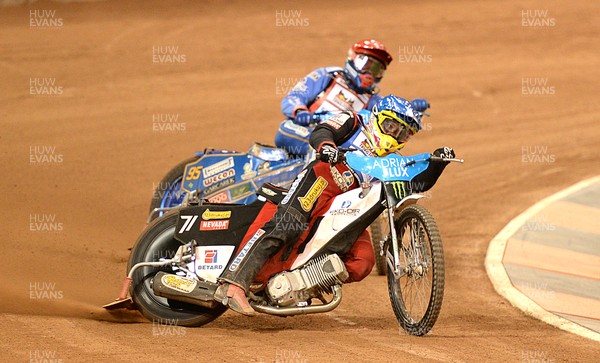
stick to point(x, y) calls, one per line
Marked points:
point(84, 162)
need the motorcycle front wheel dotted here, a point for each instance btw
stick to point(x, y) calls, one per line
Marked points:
point(417, 289)
point(157, 242)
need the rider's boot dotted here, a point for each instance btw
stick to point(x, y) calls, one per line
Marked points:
point(241, 272)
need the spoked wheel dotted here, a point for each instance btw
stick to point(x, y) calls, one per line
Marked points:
point(417, 290)
point(168, 193)
point(379, 230)
point(157, 242)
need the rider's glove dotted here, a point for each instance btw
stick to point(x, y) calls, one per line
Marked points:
point(420, 104)
point(329, 154)
point(303, 118)
point(445, 152)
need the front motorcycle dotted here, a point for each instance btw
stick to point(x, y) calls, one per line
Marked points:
point(175, 264)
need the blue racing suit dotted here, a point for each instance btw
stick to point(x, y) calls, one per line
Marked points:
point(323, 90)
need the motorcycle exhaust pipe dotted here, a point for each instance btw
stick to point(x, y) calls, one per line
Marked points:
point(185, 290)
point(289, 311)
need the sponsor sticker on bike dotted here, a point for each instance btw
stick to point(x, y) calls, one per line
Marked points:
point(240, 190)
point(343, 180)
point(222, 197)
point(210, 256)
point(218, 167)
point(345, 212)
point(309, 199)
point(220, 185)
point(218, 177)
point(244, 251)
point(392, 167)
point(207, 215)
point(179, 283)
point(214, 225)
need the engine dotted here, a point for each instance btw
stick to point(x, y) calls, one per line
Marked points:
point(316, 277)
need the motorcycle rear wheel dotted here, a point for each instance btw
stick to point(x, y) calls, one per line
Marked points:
point(416, 296)
point(168, 192)
point(154, 243)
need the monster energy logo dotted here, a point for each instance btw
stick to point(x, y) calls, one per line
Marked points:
point(399, 189)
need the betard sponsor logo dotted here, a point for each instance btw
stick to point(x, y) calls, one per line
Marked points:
point(207, 215)
point(234, 265)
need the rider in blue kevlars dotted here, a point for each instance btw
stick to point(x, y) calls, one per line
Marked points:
point(335, 89)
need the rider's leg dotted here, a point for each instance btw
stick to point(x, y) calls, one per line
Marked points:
point(310, 195)
point(293, 138)
point(359, 261)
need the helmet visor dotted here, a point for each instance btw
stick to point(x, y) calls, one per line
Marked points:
point(365, 64)
point(399, 130)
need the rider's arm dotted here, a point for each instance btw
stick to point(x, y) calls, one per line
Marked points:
point(305, 91)
point(334, 131)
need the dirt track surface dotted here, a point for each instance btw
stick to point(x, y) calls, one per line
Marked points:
point(103, 156)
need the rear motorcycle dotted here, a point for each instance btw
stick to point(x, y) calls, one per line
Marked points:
point(175, 263)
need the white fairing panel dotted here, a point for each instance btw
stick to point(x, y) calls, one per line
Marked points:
point(344, 210)
point(211, 261)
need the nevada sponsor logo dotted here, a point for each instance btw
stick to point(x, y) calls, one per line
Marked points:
point(207, 215)
point(244, 251)
point(309, 199)
point(218, 177)
point(218, 225)
point(218, 167)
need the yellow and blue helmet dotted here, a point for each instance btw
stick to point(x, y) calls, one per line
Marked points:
point(392, 122)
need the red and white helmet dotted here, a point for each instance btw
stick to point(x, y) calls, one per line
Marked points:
point(366, 64)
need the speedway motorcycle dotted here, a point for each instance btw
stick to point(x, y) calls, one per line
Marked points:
point(224, 176)
point(175, 263)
